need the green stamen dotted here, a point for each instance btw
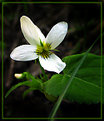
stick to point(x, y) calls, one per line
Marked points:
point(44, 50)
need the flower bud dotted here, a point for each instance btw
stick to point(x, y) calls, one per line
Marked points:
point(18, 76)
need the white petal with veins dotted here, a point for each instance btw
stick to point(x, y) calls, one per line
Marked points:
point(53, 63)
point(30, 31)
point(57, 34)
point(24, 53)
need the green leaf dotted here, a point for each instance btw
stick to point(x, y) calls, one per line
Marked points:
point(90, 70)
point(79, 91)
point(15, 86)
point(35, 83)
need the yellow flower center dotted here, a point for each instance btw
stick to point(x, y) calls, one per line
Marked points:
point(44, 50)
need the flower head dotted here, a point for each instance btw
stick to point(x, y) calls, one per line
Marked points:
point(41, 47)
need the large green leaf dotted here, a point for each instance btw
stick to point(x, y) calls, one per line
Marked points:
point(85, 87)
point(89, 71)
point(80, 90)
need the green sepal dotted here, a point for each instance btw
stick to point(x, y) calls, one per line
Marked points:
point(41, 43)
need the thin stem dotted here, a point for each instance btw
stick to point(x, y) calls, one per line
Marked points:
point(43, 71)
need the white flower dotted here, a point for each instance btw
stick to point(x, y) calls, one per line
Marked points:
point(41, 47)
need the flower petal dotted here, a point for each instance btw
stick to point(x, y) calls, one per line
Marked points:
point(24, 53)
point(53, 63)
point(30, 31)
point(57, 34)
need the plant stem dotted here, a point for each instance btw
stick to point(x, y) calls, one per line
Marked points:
point(43, 71)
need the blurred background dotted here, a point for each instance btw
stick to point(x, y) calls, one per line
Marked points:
point(84, 27)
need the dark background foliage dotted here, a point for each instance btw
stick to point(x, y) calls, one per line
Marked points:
point(84, 27)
